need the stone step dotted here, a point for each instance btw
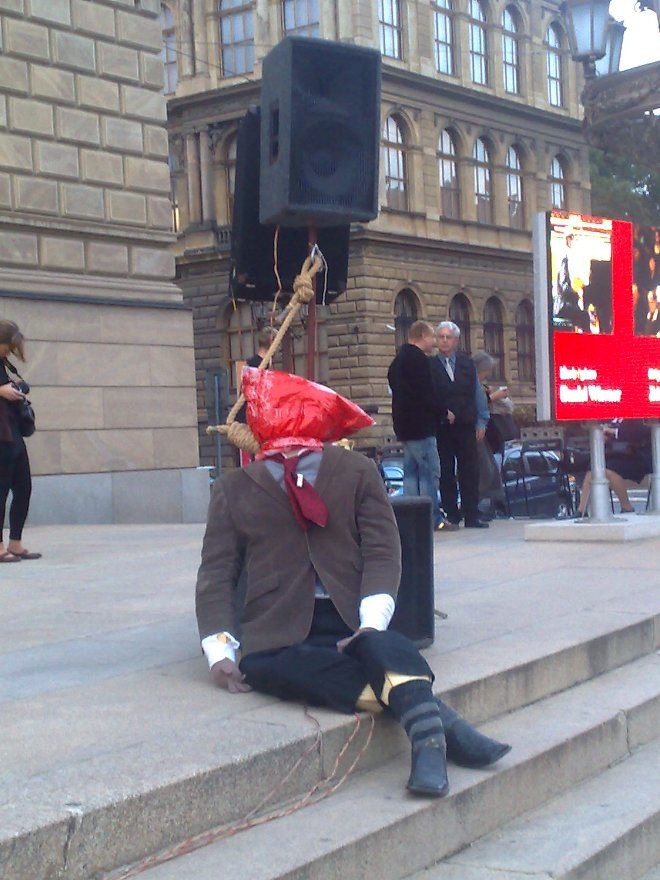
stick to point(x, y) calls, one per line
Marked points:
point(607, 828)
point(99, 808)
point(372, 828)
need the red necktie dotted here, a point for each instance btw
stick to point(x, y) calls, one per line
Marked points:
point(306, 503)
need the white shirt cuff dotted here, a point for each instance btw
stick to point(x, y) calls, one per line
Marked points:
point(376, 611)
point(216, 650)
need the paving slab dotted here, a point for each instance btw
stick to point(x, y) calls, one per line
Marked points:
point(107, 708)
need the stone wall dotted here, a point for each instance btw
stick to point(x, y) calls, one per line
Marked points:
point(85, 267)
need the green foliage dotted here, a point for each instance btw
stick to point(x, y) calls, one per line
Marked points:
point(624, 191)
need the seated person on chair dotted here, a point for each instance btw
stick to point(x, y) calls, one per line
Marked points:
point(628, 459)
point(312, 526)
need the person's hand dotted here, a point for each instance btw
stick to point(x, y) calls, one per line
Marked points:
point(451, 418)
point(10, 393)
point(344, 643)
point(227, 675)
point(481, 433)
point(500, 394)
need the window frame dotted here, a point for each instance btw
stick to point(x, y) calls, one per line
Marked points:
point(554, 66)
point(478, 25)
point(450, 196)
point(525, 342)
point(511, 41)
point(406, 312)
point(494, 335)
point(557, 183)
point(515, 187)
point(392, 29)
point(459, 313)
point(243, 10)
point(444, 9)
point(390, 148)
point(483, 171)
point(308, 28)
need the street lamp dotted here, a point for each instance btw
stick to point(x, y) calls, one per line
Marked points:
point(586, 22)
point(609, 63)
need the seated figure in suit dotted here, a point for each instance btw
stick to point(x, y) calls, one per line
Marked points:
point(312, 525)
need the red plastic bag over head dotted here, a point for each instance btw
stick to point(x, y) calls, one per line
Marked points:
point(285, 410)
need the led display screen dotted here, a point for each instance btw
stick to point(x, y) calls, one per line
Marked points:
point(597, 320)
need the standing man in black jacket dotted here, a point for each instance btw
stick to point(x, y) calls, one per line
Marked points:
point(455, 383)
point(416, 411)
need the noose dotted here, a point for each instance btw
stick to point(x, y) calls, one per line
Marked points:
point(303, 293)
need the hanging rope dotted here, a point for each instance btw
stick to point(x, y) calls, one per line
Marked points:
point(303, 292)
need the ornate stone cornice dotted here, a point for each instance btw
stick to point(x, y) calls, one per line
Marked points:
point(617, 113)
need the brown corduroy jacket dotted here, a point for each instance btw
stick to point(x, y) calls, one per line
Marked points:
point(251, 526)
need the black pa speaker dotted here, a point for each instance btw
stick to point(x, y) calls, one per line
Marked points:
point(414, 615)
point(252, 275)
point(320, 133)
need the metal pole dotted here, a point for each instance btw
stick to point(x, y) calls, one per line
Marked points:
point(654, 506)
point(600, 509)
point(311, 315)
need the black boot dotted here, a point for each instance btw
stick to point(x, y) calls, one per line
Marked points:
point(414, 707)
point(465, 745)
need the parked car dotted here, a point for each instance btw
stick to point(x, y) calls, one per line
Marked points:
point(535, 485)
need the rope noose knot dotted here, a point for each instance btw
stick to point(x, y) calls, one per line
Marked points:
point(303, 293)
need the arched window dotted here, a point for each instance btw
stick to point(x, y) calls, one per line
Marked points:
point(557, 185)
point(554, 66)
point(236, 36)
point(525, 341)
point(478, 43)
point(394, 157)
point(450, 197)
point(482, 181)
point(301, 17)
point(459, 313)
point(494, 334)
point(510, 52)
point(443, 20)
point(405, 314)
point(514, 188)
point(389, 19)
point(230, 168)
point(168, 52)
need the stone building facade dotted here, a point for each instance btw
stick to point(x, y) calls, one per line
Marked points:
point(85, 265)
point(481, 129)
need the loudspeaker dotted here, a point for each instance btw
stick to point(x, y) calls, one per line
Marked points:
point(252, 275)
point(320, 133)
point(414, 615)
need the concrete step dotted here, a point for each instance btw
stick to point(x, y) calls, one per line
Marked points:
point(372, 828)
point(97, 808)
point(607, 828)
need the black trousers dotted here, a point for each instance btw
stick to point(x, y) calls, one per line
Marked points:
point(15, 477)
point(457, 445)
point(314, 672)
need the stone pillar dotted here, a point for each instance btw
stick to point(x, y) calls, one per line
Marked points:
point(206, 175)
point(192, 172)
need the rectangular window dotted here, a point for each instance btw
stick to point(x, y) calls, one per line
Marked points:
point(390, 28)
point(478, 60)
point(444, 43)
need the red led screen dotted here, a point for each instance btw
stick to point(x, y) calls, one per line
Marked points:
point(604, 324)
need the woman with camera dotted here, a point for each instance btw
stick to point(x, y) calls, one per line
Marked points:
point(14, 463)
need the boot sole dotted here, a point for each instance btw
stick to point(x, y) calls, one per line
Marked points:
point(474, 765)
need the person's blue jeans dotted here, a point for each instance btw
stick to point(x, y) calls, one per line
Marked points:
point(421, 471)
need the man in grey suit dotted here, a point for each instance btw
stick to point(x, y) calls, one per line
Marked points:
point(315, 532)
